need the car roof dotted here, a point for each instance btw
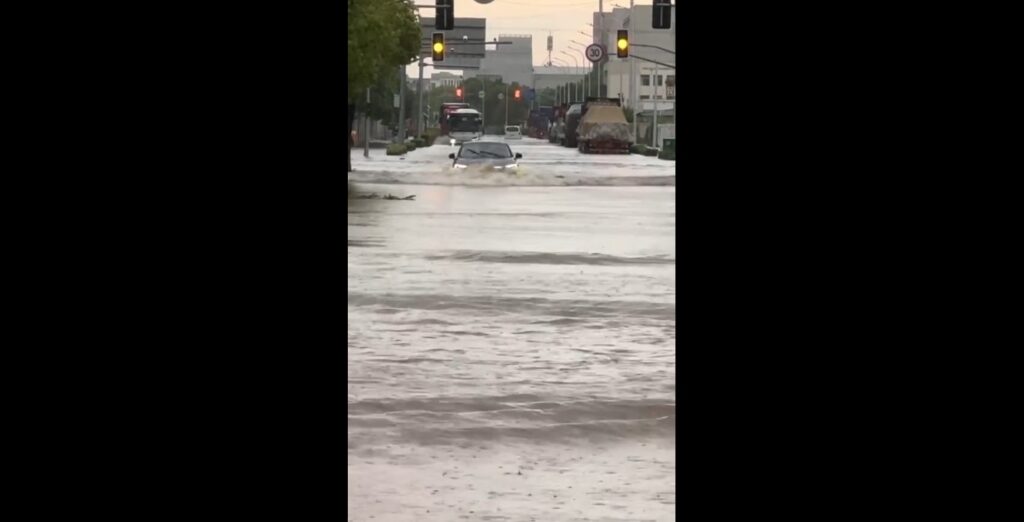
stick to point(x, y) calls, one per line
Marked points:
point(485, 140)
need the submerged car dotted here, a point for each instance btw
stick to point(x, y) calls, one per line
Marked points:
point(485, 155)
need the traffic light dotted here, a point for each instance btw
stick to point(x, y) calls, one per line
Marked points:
point(517, 94)
point(437, 47)
point(444, 15)
point(622, 44)
point(458, 92)
point(661, 16)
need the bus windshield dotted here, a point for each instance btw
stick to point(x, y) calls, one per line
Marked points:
point(464, 122)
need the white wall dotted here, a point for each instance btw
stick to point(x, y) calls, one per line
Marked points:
point(617, 69)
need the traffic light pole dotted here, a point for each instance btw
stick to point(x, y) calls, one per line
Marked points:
point(419, 102)
point(601, 41)
point(634, 98)
point(654, 131)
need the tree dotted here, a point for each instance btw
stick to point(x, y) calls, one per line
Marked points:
point(546, 96)
point(382, 35)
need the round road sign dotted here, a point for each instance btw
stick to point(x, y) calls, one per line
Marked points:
point(595, 53)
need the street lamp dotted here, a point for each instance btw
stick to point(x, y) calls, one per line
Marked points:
point(575, 69)
point(573, 58)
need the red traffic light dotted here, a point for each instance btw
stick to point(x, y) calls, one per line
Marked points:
point(517, 94)
point(458, 91)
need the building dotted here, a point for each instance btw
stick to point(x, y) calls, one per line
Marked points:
point(545, 77)
point(444, 79)
point(654, 82)
point(512, 60)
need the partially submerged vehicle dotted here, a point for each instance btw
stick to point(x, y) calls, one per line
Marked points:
point(539, 122)
point(572, 121)
point(603, 128)
point(485, 155)
point(465, 125)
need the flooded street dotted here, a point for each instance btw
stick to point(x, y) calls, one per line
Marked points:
point(511, 338)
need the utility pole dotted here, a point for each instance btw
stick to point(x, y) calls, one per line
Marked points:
point(419, 102)
point(401, 105)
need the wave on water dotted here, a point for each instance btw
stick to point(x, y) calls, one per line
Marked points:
point(490, 305)
point(526, 177)
point(454, 420)
point(551, 258)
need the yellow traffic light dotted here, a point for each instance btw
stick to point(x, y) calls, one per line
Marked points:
point(622, 44)
point(438, 47)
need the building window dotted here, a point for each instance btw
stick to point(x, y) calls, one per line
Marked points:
point(645, 96)
point(661, 80)
point(645, 80)
point(671, 80)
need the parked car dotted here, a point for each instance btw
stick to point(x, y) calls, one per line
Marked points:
point(486, 155)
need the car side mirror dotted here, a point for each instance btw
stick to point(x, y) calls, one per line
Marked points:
point(519, 155)
point(451, 156)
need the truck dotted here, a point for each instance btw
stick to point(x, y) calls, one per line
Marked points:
point(557, 129)
point(539, 122)
point(602, 127)
point(572, 121)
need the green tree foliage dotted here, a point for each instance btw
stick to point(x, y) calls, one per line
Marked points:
point(382, 35)
point(436, 97)
point(494, 115)
point(546, 96)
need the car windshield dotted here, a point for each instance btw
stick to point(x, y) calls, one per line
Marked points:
point(485, 150)
point(511, 129)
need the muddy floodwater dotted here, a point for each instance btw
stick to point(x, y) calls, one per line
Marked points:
point(511, 338)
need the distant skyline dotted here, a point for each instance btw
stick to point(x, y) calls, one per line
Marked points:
point(562, 19)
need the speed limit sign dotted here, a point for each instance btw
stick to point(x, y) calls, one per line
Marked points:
point(595, 53)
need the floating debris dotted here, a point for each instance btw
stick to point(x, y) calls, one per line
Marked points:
point(374, 195)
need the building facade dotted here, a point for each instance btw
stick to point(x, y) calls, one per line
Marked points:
point(654, 82)
point(512, 61)
point(444, 79)
point(545, 77)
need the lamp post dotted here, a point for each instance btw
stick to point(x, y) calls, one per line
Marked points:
point(586, 77)
point(561, 93)
point(634, 98)
point(576, 68)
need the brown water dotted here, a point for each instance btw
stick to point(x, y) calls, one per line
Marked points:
point(511, 348)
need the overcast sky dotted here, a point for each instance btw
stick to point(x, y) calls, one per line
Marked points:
point(562, 19)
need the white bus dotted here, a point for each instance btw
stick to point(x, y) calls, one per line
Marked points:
point(465, 125)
